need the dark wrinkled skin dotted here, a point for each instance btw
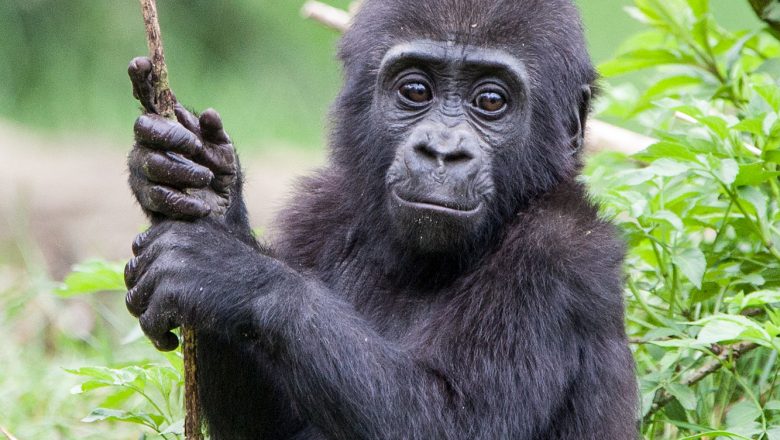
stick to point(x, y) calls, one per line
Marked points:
point(443, 277)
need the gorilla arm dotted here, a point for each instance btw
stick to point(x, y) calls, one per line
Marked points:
point(341, 375)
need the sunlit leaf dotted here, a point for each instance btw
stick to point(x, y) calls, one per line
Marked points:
point(692, 264)
point(93, 277)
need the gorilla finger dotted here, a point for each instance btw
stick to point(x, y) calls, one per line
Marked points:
point(131, 273)
point(176, 204)
point(187, 118)
point(140, 241)
point(160, 133)
point(211, 127)
point(140, 71)
point(174, 170)
point(220, 158)
point(136, 302)
point(167, 342)
point(224, 182)
point(157, 327)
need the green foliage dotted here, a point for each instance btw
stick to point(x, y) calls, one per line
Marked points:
point(154, 392)
point(93, 277)
point(699, 210)
point(146, 394)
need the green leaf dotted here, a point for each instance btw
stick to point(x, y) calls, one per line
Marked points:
point(668, 168)
point(641, 59)
point(771, 94)
point(771, 12)
point(751, 125)
point(88, 386)
point(699, 7)
point(727, 171)
point(728, 328)
point(683, 394)
point(93, 277)
point(756, 299)
point(754, 174)
point(742, 414)
point(100, 414)
point(718, 125)
point(773, 433)
point(669, 218)
point(667, 149)
point(716, 434)
point(691, 263)
point(176, 428)
point(756, 201)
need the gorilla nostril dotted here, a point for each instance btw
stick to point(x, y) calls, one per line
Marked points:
point(460, 157)
point(426, 151)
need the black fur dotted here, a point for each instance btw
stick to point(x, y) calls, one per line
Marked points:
point(341, 330)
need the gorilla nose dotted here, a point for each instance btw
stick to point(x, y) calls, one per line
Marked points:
point(441, 155)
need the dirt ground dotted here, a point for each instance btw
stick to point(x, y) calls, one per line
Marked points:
point(65, 199)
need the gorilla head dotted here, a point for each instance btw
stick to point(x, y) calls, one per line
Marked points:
point(468, 109)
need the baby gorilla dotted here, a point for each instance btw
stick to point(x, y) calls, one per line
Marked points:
point(444, 276)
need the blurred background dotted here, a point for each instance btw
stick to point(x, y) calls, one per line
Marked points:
point(66, 108)
point(66, 116)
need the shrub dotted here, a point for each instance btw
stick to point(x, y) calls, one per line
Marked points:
point(699, 211)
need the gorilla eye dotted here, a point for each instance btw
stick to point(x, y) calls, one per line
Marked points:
point(490, 102)
point(416, 92)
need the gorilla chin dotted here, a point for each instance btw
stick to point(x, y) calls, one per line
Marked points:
point(432, 224)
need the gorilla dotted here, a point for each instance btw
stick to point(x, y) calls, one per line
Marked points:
point(443, 276)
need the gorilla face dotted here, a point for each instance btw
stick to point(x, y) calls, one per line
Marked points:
point(452, 109)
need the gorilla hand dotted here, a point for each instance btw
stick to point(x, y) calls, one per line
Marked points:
point(184, 169)
point(197, 274)
point(166, 278)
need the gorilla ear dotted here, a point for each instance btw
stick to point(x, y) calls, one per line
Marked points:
point(579, 119)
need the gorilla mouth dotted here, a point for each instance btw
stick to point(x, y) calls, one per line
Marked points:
point(436, 204)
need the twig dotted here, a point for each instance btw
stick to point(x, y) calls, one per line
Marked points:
point(8, 435)
point(731, 353)
point(163, 97)
point(165, 102)
point(600, 137)
point(334, 18)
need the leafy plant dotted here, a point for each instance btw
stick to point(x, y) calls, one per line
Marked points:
point(159, 386)
point(146, 394)
point(699, 210)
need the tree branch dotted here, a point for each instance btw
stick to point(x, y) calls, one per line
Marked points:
point(600, 137)
point(731, 353)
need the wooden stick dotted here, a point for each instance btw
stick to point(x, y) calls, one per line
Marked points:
point(165, 102)
point(600, 137)
point(7, 434)
point(163, 97)
point(334, 18)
